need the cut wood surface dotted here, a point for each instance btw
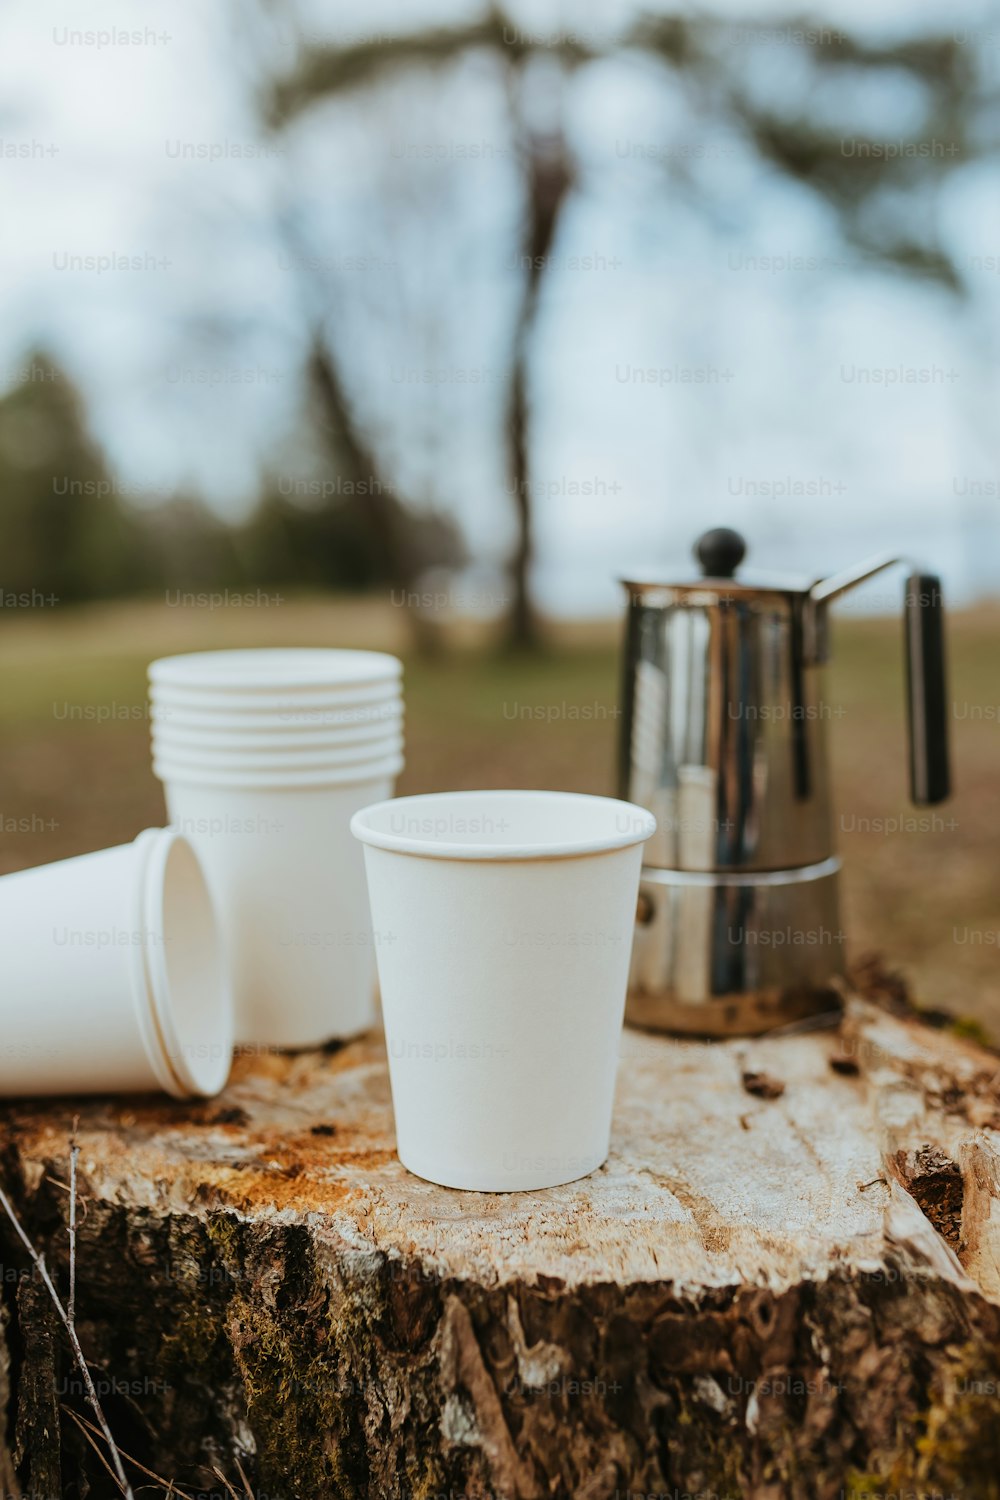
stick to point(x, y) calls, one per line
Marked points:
point(784, 1282)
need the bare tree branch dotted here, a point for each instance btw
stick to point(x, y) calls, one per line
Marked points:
point(329, 70)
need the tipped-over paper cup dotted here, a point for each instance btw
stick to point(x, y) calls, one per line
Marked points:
point(269, 669)
point(288, 883)
point(503, 986)
point(113, 975)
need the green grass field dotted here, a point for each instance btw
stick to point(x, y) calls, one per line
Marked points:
point(74, 762)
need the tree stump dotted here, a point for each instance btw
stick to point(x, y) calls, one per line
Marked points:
point(784, 1282)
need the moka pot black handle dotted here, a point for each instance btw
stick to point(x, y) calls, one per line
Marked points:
point(926, 689)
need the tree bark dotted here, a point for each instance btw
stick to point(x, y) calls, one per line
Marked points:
point(8, 1478)
point(549, 179)
point(784, 1282)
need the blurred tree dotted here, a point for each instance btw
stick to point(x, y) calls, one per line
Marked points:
point(394, 543)
point(546, 163)
point(65, 530)
point(68, 532)
point(64, 535)
point(880, 198)
point(328, 545)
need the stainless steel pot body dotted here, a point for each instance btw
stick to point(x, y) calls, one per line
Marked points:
point(724, 730)
point(724, 739)
point(735, 955)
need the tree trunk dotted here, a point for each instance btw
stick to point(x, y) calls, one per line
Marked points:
point(784, 1282)
point(548, 182)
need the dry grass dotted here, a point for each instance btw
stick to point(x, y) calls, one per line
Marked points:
point(928, 899)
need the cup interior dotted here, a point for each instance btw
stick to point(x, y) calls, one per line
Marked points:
point(187, 971)
point(502, 825)
point(274, 668)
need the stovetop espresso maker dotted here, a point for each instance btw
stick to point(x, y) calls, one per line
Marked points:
point(724, 740)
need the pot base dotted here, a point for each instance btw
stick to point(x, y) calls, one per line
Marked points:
point(735, 955)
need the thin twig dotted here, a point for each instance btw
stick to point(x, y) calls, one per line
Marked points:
point(171, 1487)
point(243, 1478)
point(43, 1271)
point(168, 1484)
point(64, 1188)
point(88, 1429)
point(74, 1152)
point(219, 1475)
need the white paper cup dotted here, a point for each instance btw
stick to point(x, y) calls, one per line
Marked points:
point(278, 760)
point(113, 975)
point(354, 735)
point(503, 989)
point(169, 769)
point(303, 668)
point(288, 718)
point(236, 705)
point(288, 883)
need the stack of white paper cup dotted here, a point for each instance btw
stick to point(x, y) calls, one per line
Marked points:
point(265, 756)
point(113, 975)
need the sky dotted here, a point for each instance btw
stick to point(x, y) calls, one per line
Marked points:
point(704, 354)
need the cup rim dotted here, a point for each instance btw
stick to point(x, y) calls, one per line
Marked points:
point(269, 668)
point(283, 716)
point(276, 700)
point(277, 780)
point(179, 1074)
point(639, 824)
point(229, 758)
point(350, 727)
point(180, 736)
